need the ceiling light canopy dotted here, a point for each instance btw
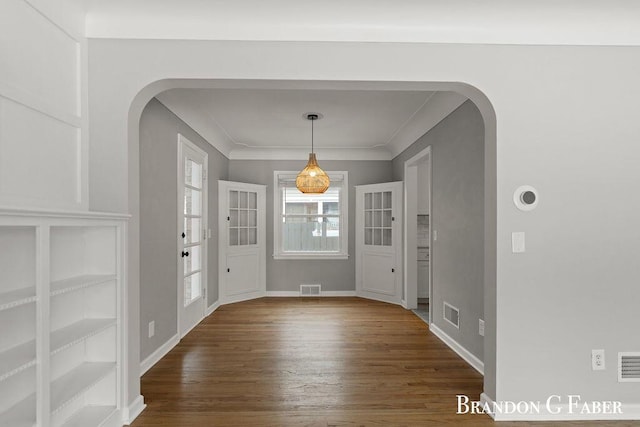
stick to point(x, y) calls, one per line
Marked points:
point(312, 179)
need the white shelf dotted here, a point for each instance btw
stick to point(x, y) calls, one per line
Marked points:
point(92, 416)
point(79, 282)
point(74, 328)
point(73, 384)
point(23, 414)
point(17, 297)
point(66, 337)
point(17, 359)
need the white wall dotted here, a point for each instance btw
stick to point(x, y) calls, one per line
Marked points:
point(566, 124)
point(43, 108)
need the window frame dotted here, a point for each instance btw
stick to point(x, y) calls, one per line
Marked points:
point(278, 250)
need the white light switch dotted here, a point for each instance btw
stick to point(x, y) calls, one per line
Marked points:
point(517, 242)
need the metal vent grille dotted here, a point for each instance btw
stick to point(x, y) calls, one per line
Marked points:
point(310, 290)
point(629, 367)
point(451, 315)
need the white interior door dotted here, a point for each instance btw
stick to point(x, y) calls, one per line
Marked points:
point(242, 245)
point(379, 241)
point(192, 226)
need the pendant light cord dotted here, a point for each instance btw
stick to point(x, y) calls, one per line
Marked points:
point(312, 120)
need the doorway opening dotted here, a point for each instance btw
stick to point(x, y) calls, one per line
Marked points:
point(418, 259)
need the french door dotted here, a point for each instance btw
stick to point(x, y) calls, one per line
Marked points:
point(379, 241)
point(192, 226)
point(242, 241)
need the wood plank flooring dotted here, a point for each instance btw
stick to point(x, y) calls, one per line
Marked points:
point(312, 362)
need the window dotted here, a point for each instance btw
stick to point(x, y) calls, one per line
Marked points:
point(310, 226)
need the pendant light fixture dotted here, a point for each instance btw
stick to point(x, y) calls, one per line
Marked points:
point(312, 179)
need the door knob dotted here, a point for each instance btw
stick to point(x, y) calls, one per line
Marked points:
point(393, 270)
point(184, 235)
point(184, 254)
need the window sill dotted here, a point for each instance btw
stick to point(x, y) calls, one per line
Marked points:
point(299, 256)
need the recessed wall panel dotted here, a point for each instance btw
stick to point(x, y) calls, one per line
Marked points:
point(38, 58)
point(39, 158)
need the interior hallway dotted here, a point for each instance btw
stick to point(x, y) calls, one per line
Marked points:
point(311, 362)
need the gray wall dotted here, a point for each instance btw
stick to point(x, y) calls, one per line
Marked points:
point(457, 257)
point(159, 130)
point(287, 275)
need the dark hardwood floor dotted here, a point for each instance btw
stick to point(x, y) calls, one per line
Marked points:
point(312, 362)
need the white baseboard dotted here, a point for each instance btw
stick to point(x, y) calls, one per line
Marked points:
point(322, 294)
point(559, 412)
point(488, 403)
point(154, 357)
point(213, 307)
point(131, 412)
point(240, 298)
point(472, 360)
point(390, 299)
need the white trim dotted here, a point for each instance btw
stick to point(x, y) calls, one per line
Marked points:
point(488, 403)
point(560, 412)
point(9, 211)
point(278, 253)
point(629, 412)
point(322, 294)
point(435, 109)
point(131, 412)
point(162, 351)
point(302, 154)
point(472, 360)
point(213, 307)
point(243, 297)
point(338, 294)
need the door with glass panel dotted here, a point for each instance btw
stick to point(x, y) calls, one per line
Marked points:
point(379, 241)
point(242, 245)
point(192, 226)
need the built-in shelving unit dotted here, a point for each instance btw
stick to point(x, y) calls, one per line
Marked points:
point(61, 361)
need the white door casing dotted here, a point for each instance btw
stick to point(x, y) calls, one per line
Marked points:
point(379, 241)
point(242, 241)
point(192, 235)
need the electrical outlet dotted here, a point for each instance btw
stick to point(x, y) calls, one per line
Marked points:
point(597, 360)
point(152, 328)
point(481, 327)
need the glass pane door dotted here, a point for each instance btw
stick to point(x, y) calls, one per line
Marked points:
point(193, 232)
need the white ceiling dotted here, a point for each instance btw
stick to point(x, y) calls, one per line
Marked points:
point(269, 123)
point(555, 22)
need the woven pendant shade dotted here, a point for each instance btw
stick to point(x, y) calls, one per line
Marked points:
point(312, 179)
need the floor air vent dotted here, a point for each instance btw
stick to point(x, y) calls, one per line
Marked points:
point(628, 367)
point(451, 315)
point(309, 290)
